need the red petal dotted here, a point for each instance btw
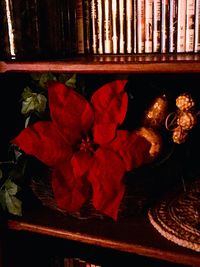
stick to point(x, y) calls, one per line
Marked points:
point(70, 192)
point(104, 132)
point(132, 148)
point(81, 162)
point(43, 141)
point(110, 105)
point(70, 111)
point(106, 176)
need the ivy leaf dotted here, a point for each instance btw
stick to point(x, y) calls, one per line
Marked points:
point(72, 81)
point(14, 205)
point(26, 93)
point(63, 77)
point(45, 77)
point(36, 76)
point(8, 200)
point(35, 102)
point(11, 187)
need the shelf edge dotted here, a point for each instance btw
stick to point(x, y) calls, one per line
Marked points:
point(106, 243)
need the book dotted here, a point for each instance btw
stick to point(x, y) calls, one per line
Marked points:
point(115, 26)
point(80, 27)
point(107, 37)
point(71, 22)
point(156, 25)
point(122, 21)
point(197, 27)
point(181, 26)
point(164, 40)
point(129, 26)
point(87, 26)
point(100, 49)
point(134, 26)
point(93, 15)
point(148, 26)
point(140, 26)
point(190, 22)
point(173, 16)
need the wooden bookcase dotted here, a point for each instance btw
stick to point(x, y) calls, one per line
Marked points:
point(32, 239)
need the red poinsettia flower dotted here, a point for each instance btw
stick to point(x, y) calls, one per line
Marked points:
point(83, 147)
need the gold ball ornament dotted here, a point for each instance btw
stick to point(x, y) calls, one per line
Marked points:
point(185, 102)
point(186, 120)
point(156, 113)
point(179, 135)
point(154, 138)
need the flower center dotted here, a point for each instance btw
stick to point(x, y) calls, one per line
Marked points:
point(86, 144)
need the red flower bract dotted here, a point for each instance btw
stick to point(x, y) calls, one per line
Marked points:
point(84, 148)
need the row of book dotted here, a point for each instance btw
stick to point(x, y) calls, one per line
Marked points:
point(138, 26)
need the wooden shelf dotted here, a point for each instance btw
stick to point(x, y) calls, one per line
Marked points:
point(134, 235)
point(145, 63)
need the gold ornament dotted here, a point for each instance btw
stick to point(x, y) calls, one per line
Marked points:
point(153, 137)
point(182, 120)
point(185, 102)
point(186, 120)
point(156, 113)
point(179, 135)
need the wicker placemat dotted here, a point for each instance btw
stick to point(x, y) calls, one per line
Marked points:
point(177, 217)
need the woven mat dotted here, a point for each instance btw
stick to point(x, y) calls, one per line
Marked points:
point(177, 217)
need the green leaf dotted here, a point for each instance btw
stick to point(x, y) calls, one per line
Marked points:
point(72, 81)
point(63, 77)
point(11, 187)
point(14, 205)
point(36, 76)
point(9, 200)
point(45, 77)
point(26, 93)
point(36, 102)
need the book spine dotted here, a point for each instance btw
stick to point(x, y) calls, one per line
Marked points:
point(80, 27)
point(114, 27)
point(173, 15)
point(181, 26)
point(107, 27)
point(140, 26)
point(129, 26)
point(93, 14)
point(87, 26)
point(164, 26)
point(156, 25)
point(197, 27)
point(190, 20)
point(71, 11)
point(122, 26)
point(148, 26)
point(100, 26)
point(135, 26)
